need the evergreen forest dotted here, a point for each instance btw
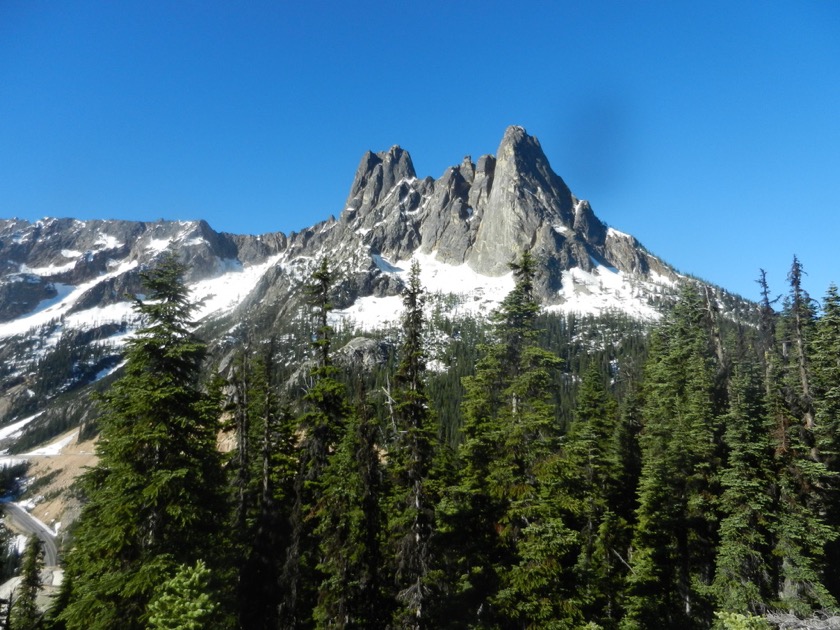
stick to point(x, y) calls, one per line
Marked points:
point(553, 473)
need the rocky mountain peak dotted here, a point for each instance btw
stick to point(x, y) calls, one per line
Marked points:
point(377, 174)
point(525, 198)
point(482, 214)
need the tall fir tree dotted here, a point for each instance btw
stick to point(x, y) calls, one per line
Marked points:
point(801, 530)
point(674, 539)
point(745, 576)
point(321, 424)
point(825, 362)
point(155, 497)
point(593, 483)
point(350, 530)
point(25, 614)
point(412, 517)
point(514, 546)
point(263, 491)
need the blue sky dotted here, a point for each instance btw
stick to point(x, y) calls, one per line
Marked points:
point(709, 130)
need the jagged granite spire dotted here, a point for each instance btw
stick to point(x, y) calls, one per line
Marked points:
point(483, 214)
point(526, 197)
point(377, 174)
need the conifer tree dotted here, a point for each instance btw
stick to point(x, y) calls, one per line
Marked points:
point(322, 424)
point(825, 362)
point(515, 545)
point(25, 614)
point(350, 529)
point(184, 602)
point(800, 316)
point(263, 490)
point(155, 497)
point(673, 544)
point(800, 528)
point(412, 516)
point(744, 576)
point(593, 484)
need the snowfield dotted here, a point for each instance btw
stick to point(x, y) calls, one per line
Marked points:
point(603, 290)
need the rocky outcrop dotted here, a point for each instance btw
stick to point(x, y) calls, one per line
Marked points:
point(526, 198)
point(20, 293)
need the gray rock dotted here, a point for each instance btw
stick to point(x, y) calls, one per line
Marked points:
point(526, 197)
point(364, 353)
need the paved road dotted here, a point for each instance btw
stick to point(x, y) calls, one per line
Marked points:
point(21, 519)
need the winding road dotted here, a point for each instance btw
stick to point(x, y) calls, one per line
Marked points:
point(20, 518)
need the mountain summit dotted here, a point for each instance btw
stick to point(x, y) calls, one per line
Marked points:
point(63, 282)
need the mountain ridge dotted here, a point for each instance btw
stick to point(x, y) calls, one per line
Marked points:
point(65, 279)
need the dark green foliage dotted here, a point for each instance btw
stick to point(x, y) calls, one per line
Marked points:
point(412, 516)
point(350, 530)
point(322, 425)
point(503, 512)
point(675, 534)
point(801, 530)
point(25, 614)
point(825, 362)
point(744, 578)
point(262, 468)
point(156, 495)
point(593, 483)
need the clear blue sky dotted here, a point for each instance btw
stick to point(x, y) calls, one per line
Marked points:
point(709, 130)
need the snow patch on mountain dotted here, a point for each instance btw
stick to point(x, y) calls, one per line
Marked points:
point(99, 315)
point(54, 448)
point(603, 290)
point(14, 429)
point(474, 293)
point(158, 244)
point(50, 270)
point(223, 293)
point(461, 291)
point(57, 307)
point(106, 241)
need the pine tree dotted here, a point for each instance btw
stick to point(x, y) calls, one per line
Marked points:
point(800, 529)
point(350, 529)
point(593, 479)
point(263, 490)
point(825, 362)
point(673, 544)
point(412, 518)
point(800, 314)
point(744, 576)
point(184, 601)
point(25, 614)
point(322, 424)
point(514, 543)
point(155, 497)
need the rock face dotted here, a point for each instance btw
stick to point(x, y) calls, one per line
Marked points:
point(525, 200)
point(482, 214)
